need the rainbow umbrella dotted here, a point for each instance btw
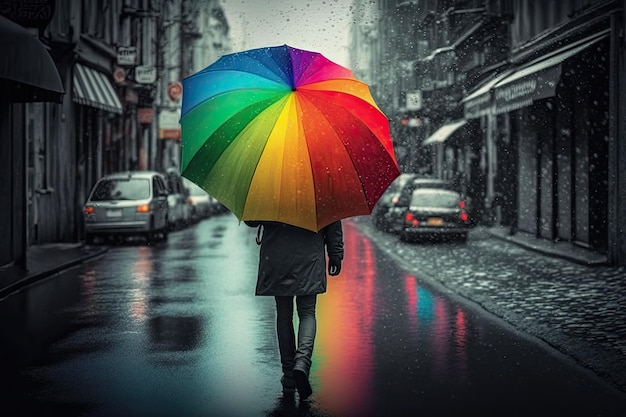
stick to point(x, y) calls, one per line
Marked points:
point(283, 134)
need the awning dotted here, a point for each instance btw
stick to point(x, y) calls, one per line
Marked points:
point(92, 88)
point(478, 103)
point(459, 41)
point(27, 70)
point(539, 79)
point(444, 132)
point(438, 51)
point(464, 36)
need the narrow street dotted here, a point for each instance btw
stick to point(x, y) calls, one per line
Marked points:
point(174, 329)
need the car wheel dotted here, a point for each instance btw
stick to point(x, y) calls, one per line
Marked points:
point(150, 234)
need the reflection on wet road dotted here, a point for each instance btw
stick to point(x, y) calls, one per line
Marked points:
point(175, 330)
point(385, 339)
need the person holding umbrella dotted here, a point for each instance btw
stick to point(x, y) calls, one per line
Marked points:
point(287, 136)
point(292, 265)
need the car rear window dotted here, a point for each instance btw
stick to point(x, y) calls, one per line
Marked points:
point(429, 197)
point(122, 189)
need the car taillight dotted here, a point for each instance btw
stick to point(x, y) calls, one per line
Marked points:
point(144, 208)
point(464, 216)
point(410, 219)
point(90, 210)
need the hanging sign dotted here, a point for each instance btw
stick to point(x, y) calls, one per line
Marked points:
point(175, 90)
point(126, 56)
point(119, 75)
point(145, 74)
point(414, 100)
point(29, 13)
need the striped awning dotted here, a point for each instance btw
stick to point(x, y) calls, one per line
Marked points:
point(92, 88)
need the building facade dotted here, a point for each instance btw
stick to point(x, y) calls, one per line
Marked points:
point(31, 89)
point(521, 102)
point(195, 34)
point(114, 104)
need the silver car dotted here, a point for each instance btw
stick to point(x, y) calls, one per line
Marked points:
point(202, 204)
point(132, 203)
point(179, 207)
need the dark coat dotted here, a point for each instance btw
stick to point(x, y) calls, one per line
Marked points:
point(293, 260)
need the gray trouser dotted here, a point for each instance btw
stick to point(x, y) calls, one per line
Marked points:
point(291, 355)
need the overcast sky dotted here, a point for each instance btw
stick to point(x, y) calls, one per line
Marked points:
point(315, 25)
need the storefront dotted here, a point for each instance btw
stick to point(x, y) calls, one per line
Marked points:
point(27, 75)
point(552, 126)
point(558, 114)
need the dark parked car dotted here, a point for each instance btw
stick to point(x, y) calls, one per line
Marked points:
point(391, 215)
point(435, 213)
point(381, 214)
point(127, 204)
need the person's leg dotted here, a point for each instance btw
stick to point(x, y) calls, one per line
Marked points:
point(306, 341)
point(286, 340)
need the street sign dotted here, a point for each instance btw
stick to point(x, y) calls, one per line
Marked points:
point(414, 100)
point(126, 55)
point(145, 74)
point(119, 75)
point(169, 126)
point(175, 90)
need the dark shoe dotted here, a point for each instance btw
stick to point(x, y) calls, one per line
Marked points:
point(289, 385)
point(302, 384)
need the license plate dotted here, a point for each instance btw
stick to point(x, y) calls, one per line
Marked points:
point(434, 221)
point(114, 213)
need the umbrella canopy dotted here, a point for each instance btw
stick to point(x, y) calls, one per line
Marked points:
point(284, 134)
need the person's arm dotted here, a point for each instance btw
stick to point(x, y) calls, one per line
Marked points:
point(333, 238)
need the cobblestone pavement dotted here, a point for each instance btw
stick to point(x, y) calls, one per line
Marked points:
point(580, 310)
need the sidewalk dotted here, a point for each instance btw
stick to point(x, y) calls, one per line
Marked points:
point(563, 250)
point(44, 261)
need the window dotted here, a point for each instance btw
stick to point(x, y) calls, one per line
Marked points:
point(122, 189)
point(435, 198)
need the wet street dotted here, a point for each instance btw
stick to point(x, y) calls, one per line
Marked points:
point(175, 330)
